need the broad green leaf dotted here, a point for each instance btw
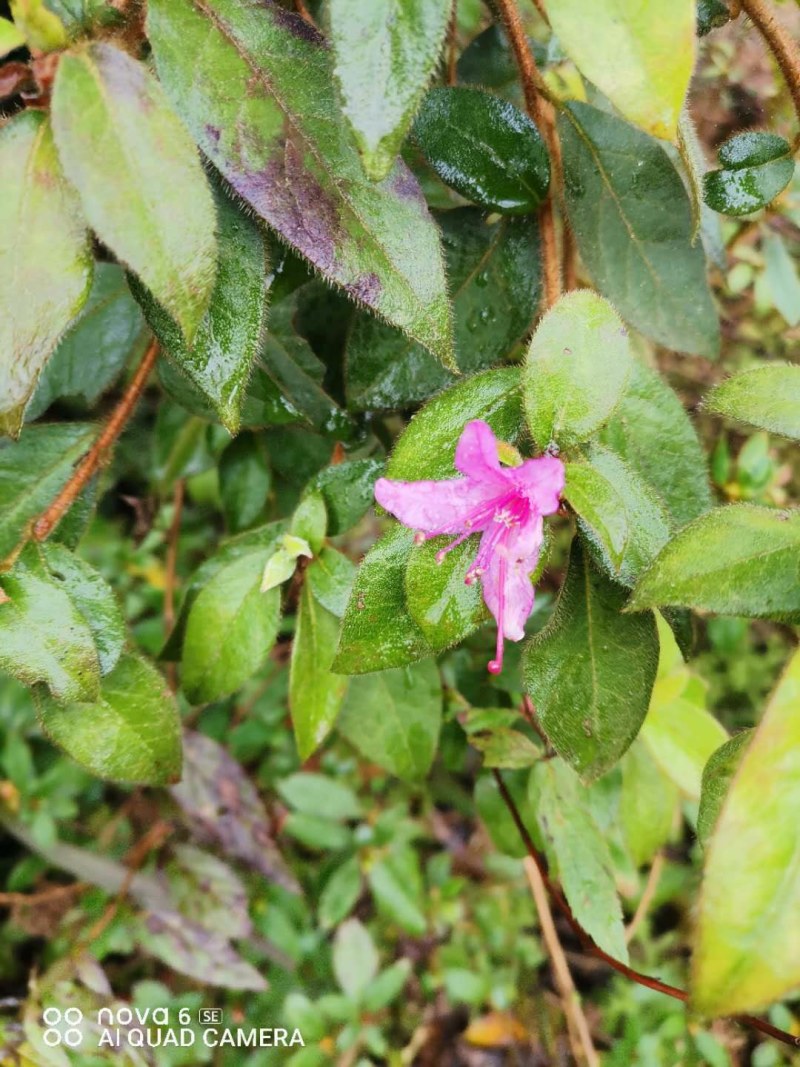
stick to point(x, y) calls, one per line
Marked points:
point(93, 598)
point(734, 560)
point(601, 509)
point(111, 116)
point(781, 278)
point(577, 365)
point(347, 489)
point(231, 627)
point(652, 433)
point(396, 887)
point(378, 630)
point(718, 774)
point(393, 718)
point(315, 692)
point(44, 31)
point(766, 396)
point(331, 579)
point(632, 222)
point(747, 952)
point(647, 804)
point(355, 958)
point(340, 893)
point(33, 470)
point(131, 733)
point(386, 53)
point(44, 637)
point(493, 273)
point(10, 37)
point(317, 833)
point(640, 55)
point(427, 446)
point(45, 259)
point(484, 148)
point(220, 358)
point(439, 601)
point(756, 167)
point(244, 481)
point(575, 841)
point(256, 87)
point(109, 331)
point(589, 674)
point(316, 794)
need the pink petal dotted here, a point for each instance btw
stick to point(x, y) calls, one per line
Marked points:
point(517, 595)
point(524, 542)
point(432, 507)
point(542, 480)
point(476, 455)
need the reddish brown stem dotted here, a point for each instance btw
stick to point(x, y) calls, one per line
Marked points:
point(781, 44)
point(591, 947)
point(97, 454)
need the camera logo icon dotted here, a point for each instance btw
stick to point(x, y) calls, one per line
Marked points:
point(56, 1033)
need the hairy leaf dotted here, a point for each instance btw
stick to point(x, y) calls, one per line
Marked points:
point(766, 396)
point(718, 774)
point(648, 802)
point(756, 167)
point(245, 481)
point(439, 601)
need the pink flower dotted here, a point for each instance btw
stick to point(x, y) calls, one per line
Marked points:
point(504, 504)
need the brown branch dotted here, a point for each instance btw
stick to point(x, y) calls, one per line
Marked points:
point(33, 900)
point(452, 46)
point(98, 453)
point(591, 947)
point(541, 111)
point(781, 44)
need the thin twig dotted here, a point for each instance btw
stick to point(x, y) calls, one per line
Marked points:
point(170, 567)
point(304, 13)
point(781, 44)
point(590, 946)
point(580, 1036)
point(33, 900)
point(98, 453)
point(651, 885)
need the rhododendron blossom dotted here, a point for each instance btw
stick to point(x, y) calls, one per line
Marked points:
point(506, 505)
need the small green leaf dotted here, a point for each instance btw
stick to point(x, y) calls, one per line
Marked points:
point(347, 490)
point(639, 255)
point(745, 955)
point(316, 794)
point(589, 674)
point(45, 259)
point(310, 520)
point(157, 216)
point(393, 718)
point(388, 986)
point(756, 167)
point(386, 53)
point(315, 692)
point(331, 578)
point(230, 629)
point(10, 37)
point(131, 733)
point(439, 601)
point(44, 637)
point(734, 560)
point(355, 958)
point(282, 143)
point(203, 886)
point(340, 893)
point(574, 840)
point(577, 365)
point(647, 804)
point(484, 148)
point(244, 481)
point(42, 28)
point(394, 892)
point(601, 508)
point(640, 55)
point(780, 277)
point(766, 396)
point(503, 747)
point(718, 774)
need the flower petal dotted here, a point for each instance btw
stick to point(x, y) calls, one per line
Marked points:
point(542, 480)
point(476, 455)
point(517, 598)
point(432, 507)
point(524, 542)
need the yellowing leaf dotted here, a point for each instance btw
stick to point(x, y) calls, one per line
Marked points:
point(497, 1029)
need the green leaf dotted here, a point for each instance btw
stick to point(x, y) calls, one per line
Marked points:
point(640, 55)
point(601, 508)
point(397, 896)
point(131, 733)
point(347, 489)
point(734, 560)
point(647, 804)
point(157, 215)
point(378, 630)
point(318, 834)
point(495, 815)
point(493, 271)
point(316, 794)
point(10, 37)
point(718, 774)
point(632, 222)
point(43, 29)
point(766, 396)
point(45, 259)
point(94, 599)
point(230, 629)
point(652, 433)
point(581, 853)
point(386, 53)
point(780, 277)
point(255, 86)
point(439, 601)
point(503, 747)
point(355, 958)
point(484, 148)
point(315, 692)
point(110, 327)
point(577, 365)
point(331, 578)
point(206, 888)
point(589, 674)
point(229, 334)
point(756, 167)
point(745, 954)
point(340, 893)
point(44, 636)
point(711, 14)
point(393, 718)
point(310, 520)
point(33, 470)
point(388, 986)
point(244, 481)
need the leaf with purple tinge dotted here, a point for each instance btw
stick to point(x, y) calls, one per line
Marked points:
point(222, 805)
point(255, 85)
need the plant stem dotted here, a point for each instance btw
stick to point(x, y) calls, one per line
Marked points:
point(781, 44)
point(541, 111)
point(590, 946)
point(97, 454)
